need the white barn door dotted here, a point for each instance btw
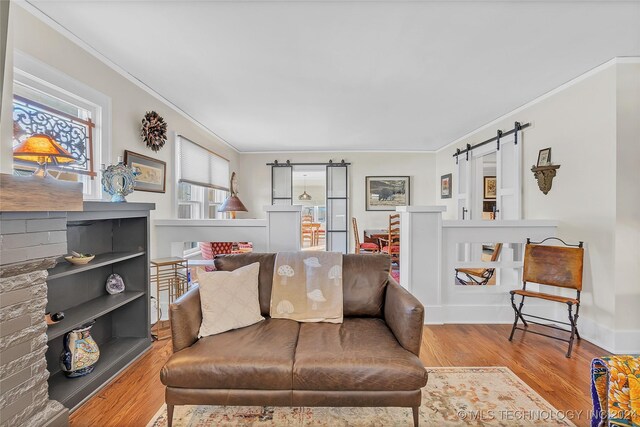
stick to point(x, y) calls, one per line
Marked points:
point(509, 177)
point(464, 187)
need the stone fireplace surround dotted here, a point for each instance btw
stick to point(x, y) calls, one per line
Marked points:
point(30, 243)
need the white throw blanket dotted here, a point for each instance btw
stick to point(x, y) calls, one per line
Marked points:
point(307, 287)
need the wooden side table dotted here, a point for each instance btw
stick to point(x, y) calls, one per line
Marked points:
point(170, 277)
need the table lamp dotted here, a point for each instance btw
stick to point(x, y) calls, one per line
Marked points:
point(42, 150)
point(232, 203)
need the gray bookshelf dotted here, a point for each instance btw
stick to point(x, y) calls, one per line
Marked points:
point(118, 233)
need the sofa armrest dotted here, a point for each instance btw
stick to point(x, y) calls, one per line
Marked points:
point(404, 315)
point(185, 315)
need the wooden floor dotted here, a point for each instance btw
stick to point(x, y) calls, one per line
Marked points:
point(137, 394)
point(538, 361)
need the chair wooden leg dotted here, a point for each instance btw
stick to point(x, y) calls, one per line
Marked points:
point(416, 416)
point(169, 415)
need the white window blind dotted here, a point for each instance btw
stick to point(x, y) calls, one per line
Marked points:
point(199, 166)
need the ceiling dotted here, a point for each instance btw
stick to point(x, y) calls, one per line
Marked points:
point(351, 75)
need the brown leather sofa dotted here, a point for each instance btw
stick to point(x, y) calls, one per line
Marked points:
point(371, 359)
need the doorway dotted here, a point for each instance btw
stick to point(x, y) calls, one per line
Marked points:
point(327, 210)
point(489, 181)
point(485, 168)
point(310, 191)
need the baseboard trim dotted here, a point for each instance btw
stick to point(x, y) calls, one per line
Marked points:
point(597, 334)
point(479, 314)
point(612, 341)
point(625, 341)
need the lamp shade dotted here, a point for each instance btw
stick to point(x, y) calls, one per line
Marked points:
point(304, 196)
point(40, 148)
point(232, 204)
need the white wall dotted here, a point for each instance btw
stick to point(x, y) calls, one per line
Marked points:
point(627, 245)
point(129, 103)
point(594, 194)
point(255, 184)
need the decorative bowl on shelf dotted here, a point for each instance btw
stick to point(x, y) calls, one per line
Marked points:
point(80, 260)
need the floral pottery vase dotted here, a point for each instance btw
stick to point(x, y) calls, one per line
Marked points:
point(80, 352)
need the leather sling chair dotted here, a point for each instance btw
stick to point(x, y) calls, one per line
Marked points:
point(557, 266)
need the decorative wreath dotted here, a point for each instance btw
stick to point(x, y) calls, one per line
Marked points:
point(154, 130)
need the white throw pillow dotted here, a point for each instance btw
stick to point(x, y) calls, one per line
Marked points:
point(229, 299)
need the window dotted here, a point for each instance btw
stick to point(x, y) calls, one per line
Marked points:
point(197, 202)
point(203, 180)
point(72, 114)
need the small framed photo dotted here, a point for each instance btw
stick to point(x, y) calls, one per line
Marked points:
point(490, 187)
point(153, 172)
point(544, 157)
point(385, 193)
point(445, 186)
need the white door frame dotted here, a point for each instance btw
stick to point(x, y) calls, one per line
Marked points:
point(470, 194)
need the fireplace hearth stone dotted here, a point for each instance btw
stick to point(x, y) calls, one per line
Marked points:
point(30, 243)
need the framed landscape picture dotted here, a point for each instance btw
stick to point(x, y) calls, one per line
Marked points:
point(489, 187)
point(445, 186)
point(153, 173)
point(385, 193)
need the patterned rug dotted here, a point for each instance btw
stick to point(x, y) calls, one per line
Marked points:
point(491, 396)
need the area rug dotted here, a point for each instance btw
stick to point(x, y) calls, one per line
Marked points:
point(488, 396)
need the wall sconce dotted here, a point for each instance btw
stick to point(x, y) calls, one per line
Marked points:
point(232, 203)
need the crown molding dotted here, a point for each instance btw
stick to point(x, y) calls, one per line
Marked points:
point(338, 152)
point(562, 87)
point(33, 10)
point(56, 26)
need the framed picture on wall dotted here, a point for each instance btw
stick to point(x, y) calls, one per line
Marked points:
point(385, 193)
point(490, 187)
point(153, 172)
point(544, 157)
point(445, 186)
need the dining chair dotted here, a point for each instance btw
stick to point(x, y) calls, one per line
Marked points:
point(307, 230)
point(479, 276)
point(391, 245)
point(307, 233)
point(366, 247)
point(319, 234)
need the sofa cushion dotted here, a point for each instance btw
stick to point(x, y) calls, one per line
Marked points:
point(229, 299)
point(257, 357)
point(265, 278)
point(364, 280)
point(358, 355)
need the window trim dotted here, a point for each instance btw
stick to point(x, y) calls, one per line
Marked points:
point(40, 76)
point(203, 204)
point(200, 202)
